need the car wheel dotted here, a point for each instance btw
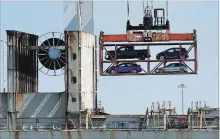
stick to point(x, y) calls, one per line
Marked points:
point(161, 71)
point(162, 57)
point(112, 71)
point(183, 57)
point(135, 71)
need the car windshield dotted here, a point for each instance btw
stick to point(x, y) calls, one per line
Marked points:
point(170, 65)
point(121, 65)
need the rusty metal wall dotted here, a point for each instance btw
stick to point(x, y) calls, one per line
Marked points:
point(72, 72)
point(22, 62)
point(81, 81)
point(109, 135)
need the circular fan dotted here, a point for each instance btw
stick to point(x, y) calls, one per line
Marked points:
point(51, 54)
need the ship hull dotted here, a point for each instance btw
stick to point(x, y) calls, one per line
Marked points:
point(109, 134)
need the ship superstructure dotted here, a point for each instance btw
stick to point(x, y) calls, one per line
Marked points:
point(74, 113)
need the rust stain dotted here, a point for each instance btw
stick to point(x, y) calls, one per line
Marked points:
point(102, 131)
point(19, 99)
point(112, 135)
point(16, 134)
point(72, 39)
point(69, 134)
point(79, 134)
point(51, 133)
point(129, 132)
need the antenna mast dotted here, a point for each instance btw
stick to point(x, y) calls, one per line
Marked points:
point(128, 16)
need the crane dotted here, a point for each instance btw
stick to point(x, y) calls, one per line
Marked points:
point(149, 23)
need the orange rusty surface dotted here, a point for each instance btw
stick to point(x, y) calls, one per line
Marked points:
point(19, 100)
point(114, 38)
point(129, 132)
point(112, 135)
point(156, 37)
point(79, 134)
point(181, 36)
point(16, 134)
point(160, 37)
point(51, 133)
point(69, 134)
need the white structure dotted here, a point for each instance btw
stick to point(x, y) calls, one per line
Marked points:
point(78, 16)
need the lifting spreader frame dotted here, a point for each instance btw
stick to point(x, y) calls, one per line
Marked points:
point(180, 39)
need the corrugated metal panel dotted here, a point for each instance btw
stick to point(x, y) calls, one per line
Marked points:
point(71, 16)
point(109, 135)
point(22, 62)
point(3, 62)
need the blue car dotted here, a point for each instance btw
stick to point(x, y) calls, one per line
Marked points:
point(173, 67)
point(124, 68)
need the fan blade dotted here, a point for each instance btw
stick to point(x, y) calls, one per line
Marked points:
point(54, 64)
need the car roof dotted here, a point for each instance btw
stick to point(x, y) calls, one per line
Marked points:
point(175, 48)
point(176, 63)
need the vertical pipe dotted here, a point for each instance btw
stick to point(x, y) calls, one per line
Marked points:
point(36, 69)
point(195, 51)
point(4, 63)
point(11, 72)
point(153, 117)
point(189, 121)
point(87, 119)
point(165, 121)
point(95, 74)
point(200, 119)
point(1, 67)
point(66, 75)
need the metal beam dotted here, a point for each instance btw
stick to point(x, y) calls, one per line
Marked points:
point(45, 47)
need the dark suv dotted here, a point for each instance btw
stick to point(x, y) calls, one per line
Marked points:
point(173, 53)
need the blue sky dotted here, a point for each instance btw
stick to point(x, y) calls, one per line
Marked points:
point(132, 94)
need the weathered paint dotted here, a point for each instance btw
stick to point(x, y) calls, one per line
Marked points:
point(72, 68)
point(78, 14)
point(22, 62)
point(47, 108)
point(3, 105)
point(38, 105)
point(81, 45)
point(87, 44)
point(109, 135)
